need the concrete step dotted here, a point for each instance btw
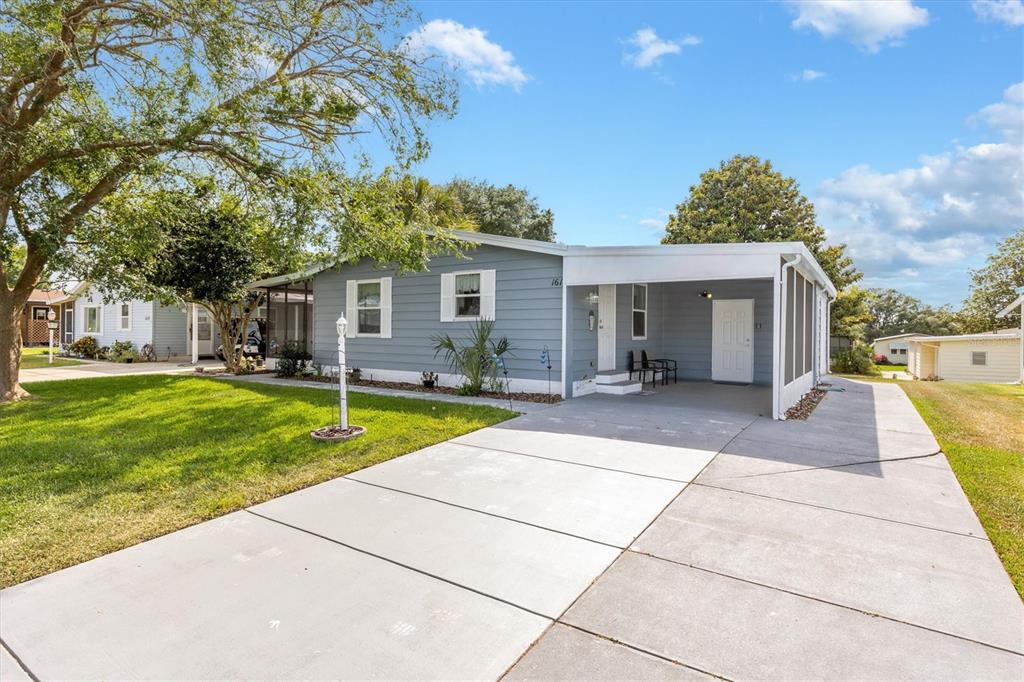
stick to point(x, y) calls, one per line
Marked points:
point(619, 388)
point(612, 376)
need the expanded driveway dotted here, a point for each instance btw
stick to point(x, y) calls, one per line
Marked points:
point(567, 543)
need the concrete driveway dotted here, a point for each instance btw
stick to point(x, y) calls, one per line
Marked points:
point(567, 544)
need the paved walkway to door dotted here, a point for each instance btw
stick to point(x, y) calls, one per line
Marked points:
point(607, 537)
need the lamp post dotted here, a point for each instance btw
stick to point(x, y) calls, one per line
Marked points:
point(51, 323)
point(342, 325)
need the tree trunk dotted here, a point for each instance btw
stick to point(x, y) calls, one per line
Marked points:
point(10, 346)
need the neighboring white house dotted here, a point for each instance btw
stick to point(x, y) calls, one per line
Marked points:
point(993, 357)
point(895, 347)
point(167, 328)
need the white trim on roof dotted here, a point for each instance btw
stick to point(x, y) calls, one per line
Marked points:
point(896, 336)
point(73, 293)
point(632, 263)
point(1003, 336)
point(1018, 303)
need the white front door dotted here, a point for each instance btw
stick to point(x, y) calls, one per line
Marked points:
point(606, 327)
point(732, 340)
point(204, 331)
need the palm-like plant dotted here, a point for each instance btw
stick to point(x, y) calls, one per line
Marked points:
point(475, 358)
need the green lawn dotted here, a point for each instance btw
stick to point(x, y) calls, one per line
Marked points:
point(36, 358)
point(891, 368)
point(979, 427)
point(93, 465)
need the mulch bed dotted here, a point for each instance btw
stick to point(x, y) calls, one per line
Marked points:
point(225, 370)
point(335, 433)
point(803, 409)
point(420, 388)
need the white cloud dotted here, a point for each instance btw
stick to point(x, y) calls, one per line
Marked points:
point(648, 48)
point(468, 49)
point(1009, 12)
point(871, 24)
point(808, 75)
point(944, 212)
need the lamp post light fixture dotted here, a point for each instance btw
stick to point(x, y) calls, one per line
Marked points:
point(51, 324)
point(342, 430)
point(342, 327)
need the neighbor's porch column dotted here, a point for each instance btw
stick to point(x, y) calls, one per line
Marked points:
point(195, 334)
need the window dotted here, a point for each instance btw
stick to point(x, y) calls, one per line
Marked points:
point(368, 307)
point(639, 311)
point(979, 358)
point(125, 317)
point(93, 321)
point(39, 313)
point(467, 294)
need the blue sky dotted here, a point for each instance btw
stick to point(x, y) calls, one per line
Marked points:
point(900, 120)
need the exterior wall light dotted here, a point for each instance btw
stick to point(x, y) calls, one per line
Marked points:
point(591, 319)
point(706, 294)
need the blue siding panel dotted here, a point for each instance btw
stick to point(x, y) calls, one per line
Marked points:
point(528, 310)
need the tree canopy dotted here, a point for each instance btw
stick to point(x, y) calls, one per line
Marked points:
point(508, 210)
point(746, 200)
point(100, 99)
point(893, 313)
point(995, 286)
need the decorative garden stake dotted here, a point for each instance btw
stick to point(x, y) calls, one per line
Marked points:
point(342, 431)
point(500, 362)
point(545, 359)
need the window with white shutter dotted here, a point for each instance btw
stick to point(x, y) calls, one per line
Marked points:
point(467, 295)
point(368, 307)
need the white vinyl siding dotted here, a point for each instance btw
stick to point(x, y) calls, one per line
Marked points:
point(468, 295)
point(956, 361)
point(109, 320)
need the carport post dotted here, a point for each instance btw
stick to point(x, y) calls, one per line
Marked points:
point(195, 334)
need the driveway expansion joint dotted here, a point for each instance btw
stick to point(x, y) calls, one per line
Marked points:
point(487, 513)
point(873, 614)
point(832, 466)
point(401, 565)
point(18, 661)
point(565, 461)
point(982, 538)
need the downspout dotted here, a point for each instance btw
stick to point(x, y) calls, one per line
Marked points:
point(781, 335)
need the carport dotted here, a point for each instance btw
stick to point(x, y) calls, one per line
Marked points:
point(751, 315)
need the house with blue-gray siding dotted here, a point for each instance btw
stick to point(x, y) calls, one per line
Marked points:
point(579, 319)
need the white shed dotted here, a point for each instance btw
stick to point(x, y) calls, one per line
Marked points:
point(984, 358)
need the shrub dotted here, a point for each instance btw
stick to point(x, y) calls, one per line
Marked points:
point(292, 360)
point(856, 360)
point(246, 365)
point(122, 351)
point(477, 358)
point(881, 360)
point(85, 347)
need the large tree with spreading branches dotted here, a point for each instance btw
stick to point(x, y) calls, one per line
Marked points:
point(104, 99)
point(746, 200)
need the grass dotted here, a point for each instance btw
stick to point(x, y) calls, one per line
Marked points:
point(37, 357)
point(979, 427)
point(891, 368)
point(94, 465)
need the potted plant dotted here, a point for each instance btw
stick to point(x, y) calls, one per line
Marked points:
point(429, 379)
